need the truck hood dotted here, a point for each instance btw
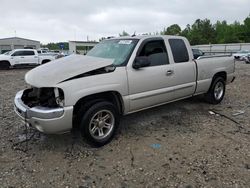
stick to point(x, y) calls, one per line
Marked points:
point(54, 72)
point(4, 57)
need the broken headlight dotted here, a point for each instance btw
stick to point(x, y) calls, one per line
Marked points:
point(45, 97)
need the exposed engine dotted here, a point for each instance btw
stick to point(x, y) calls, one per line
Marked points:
point(45, 97)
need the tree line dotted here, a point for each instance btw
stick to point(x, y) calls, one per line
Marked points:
point(204, 32)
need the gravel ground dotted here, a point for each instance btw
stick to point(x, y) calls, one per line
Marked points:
point(176, 145)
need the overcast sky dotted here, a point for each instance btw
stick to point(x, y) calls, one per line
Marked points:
point(64, 20)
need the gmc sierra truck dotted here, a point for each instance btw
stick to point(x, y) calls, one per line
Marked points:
point(21, 57)
point(118, 76)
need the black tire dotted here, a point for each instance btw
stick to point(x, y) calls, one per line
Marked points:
point(91, 124)
point(45, 61)
point(216, 91)
point(4, 65)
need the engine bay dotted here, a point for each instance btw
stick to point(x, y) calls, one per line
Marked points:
point(45, 97)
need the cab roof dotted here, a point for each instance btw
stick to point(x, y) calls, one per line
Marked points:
point(148, 36)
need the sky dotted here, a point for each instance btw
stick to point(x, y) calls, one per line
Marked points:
point(64, 20)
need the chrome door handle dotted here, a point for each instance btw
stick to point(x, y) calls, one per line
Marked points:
point(170, 72)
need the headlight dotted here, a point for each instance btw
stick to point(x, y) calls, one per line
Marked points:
point(59, 96)
point(46, 97)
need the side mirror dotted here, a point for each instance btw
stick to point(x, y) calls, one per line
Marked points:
point(141, 61)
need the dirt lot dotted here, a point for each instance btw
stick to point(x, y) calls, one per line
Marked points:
point(176, 145)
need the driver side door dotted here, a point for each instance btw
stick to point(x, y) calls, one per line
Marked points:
point(18, 57)
point(151, 85)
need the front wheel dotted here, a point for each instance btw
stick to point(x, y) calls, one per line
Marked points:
point(216, 92)
point(4, 65)
point(99, 123)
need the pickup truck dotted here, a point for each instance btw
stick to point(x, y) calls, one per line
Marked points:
point(118, 76)
point(23, 57)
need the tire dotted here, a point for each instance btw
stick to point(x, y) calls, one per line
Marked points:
point(45, 61)
point(4, 65)
point(99, 123)
point(216, 91)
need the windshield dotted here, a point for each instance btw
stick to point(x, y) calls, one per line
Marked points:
point(8, 53)
point(117, 49)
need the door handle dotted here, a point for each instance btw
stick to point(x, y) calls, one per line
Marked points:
point(21, 57)
point(169, 72)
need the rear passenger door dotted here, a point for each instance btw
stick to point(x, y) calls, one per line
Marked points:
point(30, 57)
point(149, 86)
point(184, 68)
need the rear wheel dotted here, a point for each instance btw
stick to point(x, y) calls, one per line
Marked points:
point(99, 123)
point(4, 65)
point(216, 92)
point(45, 61)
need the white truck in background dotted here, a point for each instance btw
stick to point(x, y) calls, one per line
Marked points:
point(117, 77)
point(20, 57)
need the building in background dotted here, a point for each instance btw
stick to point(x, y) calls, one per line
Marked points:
point(7, 44)
point(81, 47)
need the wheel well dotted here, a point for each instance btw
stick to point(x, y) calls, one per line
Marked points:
point(222, 74)
point(5, 61)
point(45, 61)
point(111, 96)
point(5, 64)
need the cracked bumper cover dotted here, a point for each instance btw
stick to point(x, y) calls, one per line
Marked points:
point(47, 120)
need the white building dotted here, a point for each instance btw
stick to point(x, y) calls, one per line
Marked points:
point(7, 44)
point(81, 47)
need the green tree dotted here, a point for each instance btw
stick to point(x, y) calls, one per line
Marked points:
point(56, 46)
point(186, 32)
point(246, 29)
point(174, 29)
point(202, 32)
point(124, 33)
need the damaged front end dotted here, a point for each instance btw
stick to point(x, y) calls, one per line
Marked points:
point(43, 109)
point(44, 97)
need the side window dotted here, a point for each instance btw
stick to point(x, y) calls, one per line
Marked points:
point(29, 53)
point(156, 52)
point(18, 53)
point(179, 50)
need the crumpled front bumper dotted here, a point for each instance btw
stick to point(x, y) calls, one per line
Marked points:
point(47, 120)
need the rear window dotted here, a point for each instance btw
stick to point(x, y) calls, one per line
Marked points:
point(179, 50)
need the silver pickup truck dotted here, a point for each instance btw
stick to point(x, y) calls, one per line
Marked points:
point(118, 76)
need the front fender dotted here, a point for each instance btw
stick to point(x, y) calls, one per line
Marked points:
point(81, 87)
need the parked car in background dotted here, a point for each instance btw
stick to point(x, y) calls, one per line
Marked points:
point(46, 51)
point(197, 53)
point(117, 77)
point(247, 58)
point(42, 51)
point(241, 54)
point(20, 57)
point(57, 53)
